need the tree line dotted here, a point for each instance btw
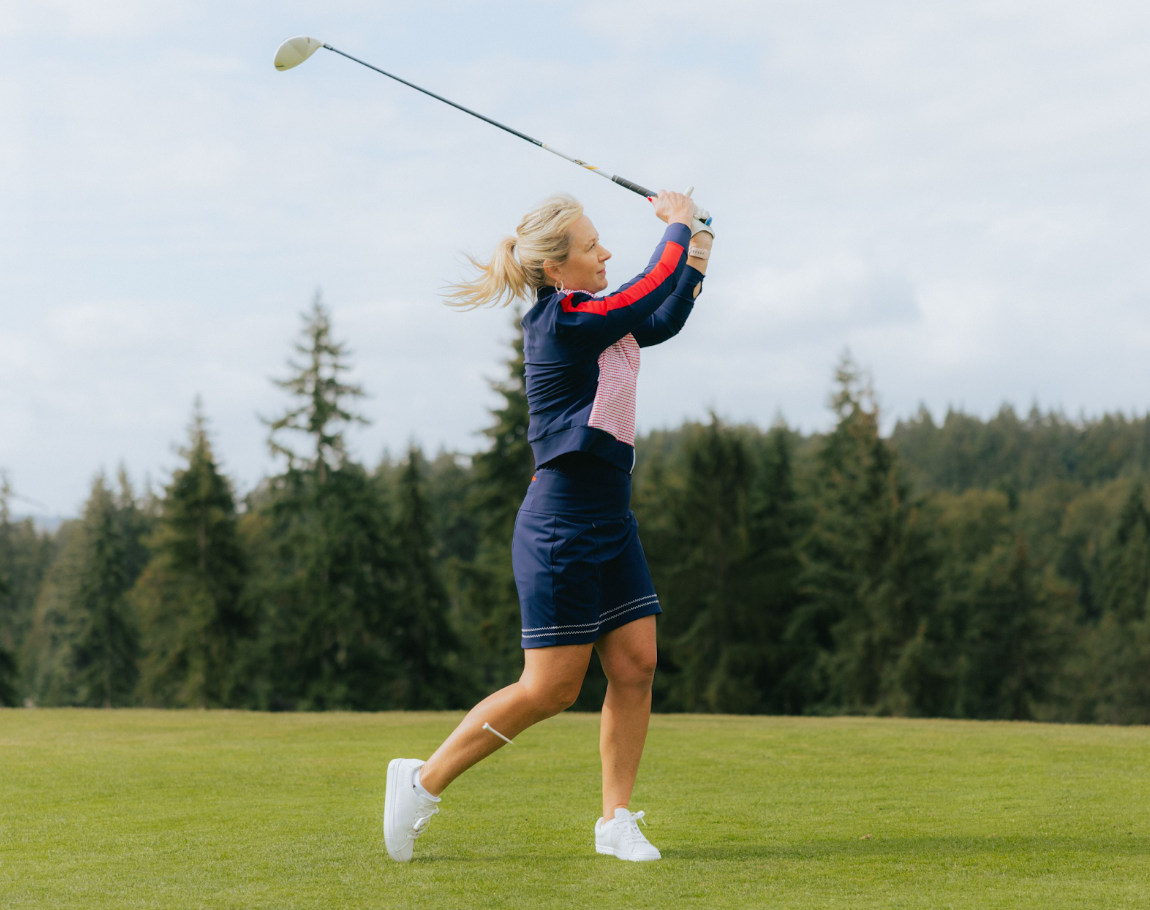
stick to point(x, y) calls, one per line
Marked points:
point(975, 568)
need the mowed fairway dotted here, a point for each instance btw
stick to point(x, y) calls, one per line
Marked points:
point(217, 809)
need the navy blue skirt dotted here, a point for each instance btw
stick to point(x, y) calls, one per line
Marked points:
point(579, 566)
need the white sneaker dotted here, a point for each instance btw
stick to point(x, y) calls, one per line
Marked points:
point(407, 811)
point(622, 838)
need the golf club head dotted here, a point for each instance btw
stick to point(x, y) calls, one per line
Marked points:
point(295, 51)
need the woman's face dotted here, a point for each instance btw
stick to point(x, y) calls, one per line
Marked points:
point(586, 265)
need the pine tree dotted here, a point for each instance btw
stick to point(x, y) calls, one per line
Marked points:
point(972, 530)
point(325, 575)
point(7, 661)
point(6, 560)
point(322, 397)
point(776, 527)
point(189, 594)
point(1126, 561)
point(455, 526)
point(867, 580)
point(705, 592)
point(325, 567)
point(46, 648)
point(1012, 635)
point(501, 476)
point(427, 644)
point(1118, 646)
point(503, 471)
point(25, 555)
point(720, 529)
point(82, 648)
point(104, 653)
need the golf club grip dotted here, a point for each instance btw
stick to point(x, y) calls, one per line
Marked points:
point(634, 187)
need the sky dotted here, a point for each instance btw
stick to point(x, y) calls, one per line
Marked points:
point(956, 192)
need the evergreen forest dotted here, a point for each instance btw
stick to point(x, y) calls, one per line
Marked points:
point(975, 568)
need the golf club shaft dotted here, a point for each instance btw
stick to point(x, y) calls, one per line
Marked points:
point(622, 181)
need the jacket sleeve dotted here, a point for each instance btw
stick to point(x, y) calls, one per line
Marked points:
point(666, 321)
point(593, 324)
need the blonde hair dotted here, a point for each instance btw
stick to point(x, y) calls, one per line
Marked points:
point(543, 236)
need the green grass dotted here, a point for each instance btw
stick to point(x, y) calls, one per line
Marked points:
point(170, 810)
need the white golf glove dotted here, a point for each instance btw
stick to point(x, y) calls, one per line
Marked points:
point(702, 221)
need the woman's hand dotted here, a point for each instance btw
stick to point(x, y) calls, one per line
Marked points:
point(674, 207)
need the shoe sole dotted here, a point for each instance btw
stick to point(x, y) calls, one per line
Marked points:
point(610, 851)
point(389, 806)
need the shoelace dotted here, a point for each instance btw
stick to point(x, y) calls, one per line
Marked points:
point(423, 819)
point(631, 832)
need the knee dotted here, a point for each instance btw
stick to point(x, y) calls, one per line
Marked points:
point(637, 671)
point(565, 696)
point(555, 696)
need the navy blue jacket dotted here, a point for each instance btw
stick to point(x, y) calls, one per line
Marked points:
point(572, 341)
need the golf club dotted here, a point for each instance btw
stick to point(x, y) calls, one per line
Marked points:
point(296, 50)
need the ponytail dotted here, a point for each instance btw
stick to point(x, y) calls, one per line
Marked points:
point(501, 277)
point(515, 269)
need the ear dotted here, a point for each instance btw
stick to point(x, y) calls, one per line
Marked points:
point(552, 272)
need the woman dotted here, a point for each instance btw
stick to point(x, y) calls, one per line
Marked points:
point(582, 579)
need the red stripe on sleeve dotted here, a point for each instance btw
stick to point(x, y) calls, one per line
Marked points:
point(672, 252)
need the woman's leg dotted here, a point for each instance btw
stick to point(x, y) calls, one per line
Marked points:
point(550, 683)
point(628, 656)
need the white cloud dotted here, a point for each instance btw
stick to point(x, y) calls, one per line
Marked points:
point(83, 19)
point(770, 310)
point(956, 191)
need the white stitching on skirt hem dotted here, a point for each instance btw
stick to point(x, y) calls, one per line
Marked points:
point(606, 615)
point(595, 625)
